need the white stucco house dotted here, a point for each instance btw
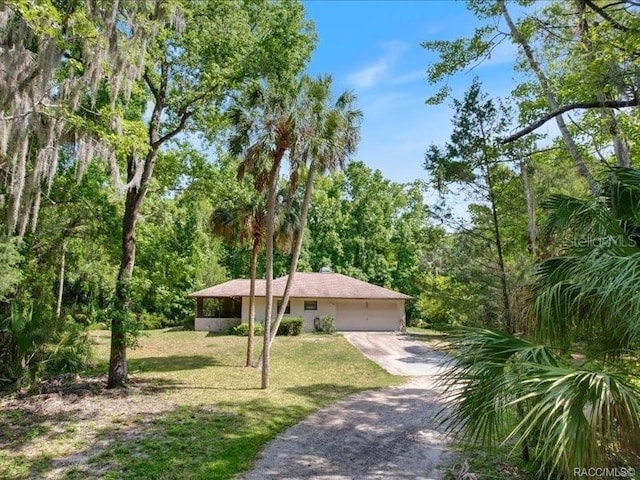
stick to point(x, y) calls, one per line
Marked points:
point(355, 305)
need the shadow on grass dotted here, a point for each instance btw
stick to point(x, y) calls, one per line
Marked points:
point(428, 336)
point(172, 363)
point(321, 394)
point(188, 442)
point(219, 334)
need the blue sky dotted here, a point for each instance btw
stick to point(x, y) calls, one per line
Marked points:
point(373, 48)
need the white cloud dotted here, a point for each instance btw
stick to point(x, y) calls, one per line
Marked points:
point(368, 76)
point(378, 71)
point(409, 77)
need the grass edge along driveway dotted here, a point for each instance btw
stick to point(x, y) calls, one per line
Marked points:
point(193, 411)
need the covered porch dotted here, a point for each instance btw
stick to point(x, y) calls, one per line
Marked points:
point(217, 314)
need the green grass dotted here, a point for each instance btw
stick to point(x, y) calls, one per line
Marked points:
point(193, 411)
point(434, 338)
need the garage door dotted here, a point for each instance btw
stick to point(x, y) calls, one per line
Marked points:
point(367, 316)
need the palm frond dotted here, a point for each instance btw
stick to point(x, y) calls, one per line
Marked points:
point(481, 382)
point(576, 416)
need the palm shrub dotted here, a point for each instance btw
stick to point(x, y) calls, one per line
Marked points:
point(585, 304)
point(504, 389)
point(35, 345)
point(325, 324)
point(589, 294)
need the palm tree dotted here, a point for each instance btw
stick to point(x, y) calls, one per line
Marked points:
point(333, 133)
point(501, 388)
point(241, 221)
point(264, 123)
point(293, 122)
point(591, 290)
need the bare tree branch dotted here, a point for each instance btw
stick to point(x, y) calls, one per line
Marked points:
point(566, 108)
point(614, 23)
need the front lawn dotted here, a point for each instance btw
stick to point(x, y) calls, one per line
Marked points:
point(192, 412)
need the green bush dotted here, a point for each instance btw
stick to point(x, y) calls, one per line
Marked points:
point(290, 326)
point(326, 324)
point(35, 345)
point(242, 330)
point(82, 319)
point(71, 354)
point(419, 323)
point(188, 323)
point(151, 321)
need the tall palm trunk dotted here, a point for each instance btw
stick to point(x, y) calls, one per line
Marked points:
point(581, 167)
point(252, 301)
point(295, 254)
point(271, 216)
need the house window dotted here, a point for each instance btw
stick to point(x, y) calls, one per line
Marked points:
point(310, 304)
point(286, 310)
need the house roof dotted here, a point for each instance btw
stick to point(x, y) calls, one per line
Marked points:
point(305, 285)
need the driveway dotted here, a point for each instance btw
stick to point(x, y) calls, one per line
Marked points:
point(398, 354)
point(383, 434)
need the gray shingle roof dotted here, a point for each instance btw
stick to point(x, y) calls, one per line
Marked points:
point(306, 285)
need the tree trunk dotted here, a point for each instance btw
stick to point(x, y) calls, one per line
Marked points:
point(118, 355)
point(508, 319)
point(581, 167)
point(63, 258)
point(532, 228)
point(271, 215)
point(252, 301)
point(135, 196)
point(295, 254)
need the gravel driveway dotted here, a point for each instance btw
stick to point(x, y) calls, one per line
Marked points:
point(383, 434)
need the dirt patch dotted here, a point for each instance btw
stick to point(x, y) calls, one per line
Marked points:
point(75, 419)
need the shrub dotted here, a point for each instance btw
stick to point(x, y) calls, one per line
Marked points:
point(71, 354)
point(290, 326)
point(82, 319)
point(151, 321)
point(242, 330)
point(34, 345)
point(326, 324)
point(189, 323)
point(419, 323)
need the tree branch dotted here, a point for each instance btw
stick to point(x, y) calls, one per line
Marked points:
point(150, 84)
point(168, 136)
point(614, 23)
point(572, 106)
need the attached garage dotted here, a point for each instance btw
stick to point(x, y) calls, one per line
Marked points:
point(368, 315)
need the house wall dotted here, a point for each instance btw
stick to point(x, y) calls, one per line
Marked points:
point(349, 314)
point(209, 324)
